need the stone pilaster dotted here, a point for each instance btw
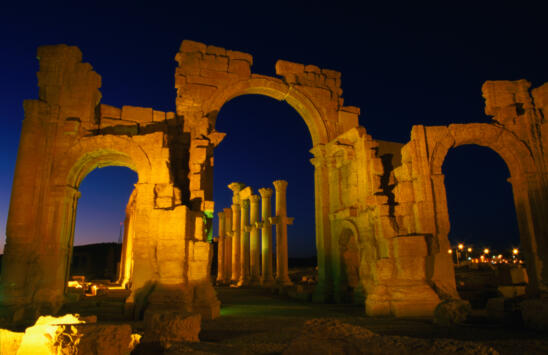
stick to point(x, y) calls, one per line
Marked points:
point(267, 277)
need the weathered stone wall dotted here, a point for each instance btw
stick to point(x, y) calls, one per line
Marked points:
point(518, 135)
point(392, 264)
point(372, 199)
point(66, 134)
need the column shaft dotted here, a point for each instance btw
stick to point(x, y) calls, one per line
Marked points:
point(282, 275)
point(266, 236)
point(228, 245)
point(244, 242)
point(220, 248)
point(235, 277)
point(254, 240)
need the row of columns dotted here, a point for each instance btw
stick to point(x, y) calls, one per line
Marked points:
point(245, 237)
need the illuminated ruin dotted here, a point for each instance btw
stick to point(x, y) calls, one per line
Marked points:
point(379, 229)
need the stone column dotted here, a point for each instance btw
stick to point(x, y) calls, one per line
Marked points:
point(235, 187)
point(228, 245)
point(254, 240)
point(267, 277)
point(244, 242)
point(221, 248)
point(281, 220)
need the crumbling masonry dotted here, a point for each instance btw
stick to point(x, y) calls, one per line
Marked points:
point(381, 212)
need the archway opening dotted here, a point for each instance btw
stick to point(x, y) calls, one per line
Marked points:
point(484, 233)
point(350, 267)
point(268, 140)
point(99, 224)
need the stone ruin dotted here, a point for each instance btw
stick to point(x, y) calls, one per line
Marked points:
point(243, 257)
point(381, 205)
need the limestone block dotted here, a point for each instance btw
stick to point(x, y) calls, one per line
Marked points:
point(502, 93)
point(236, 55)
point(452, 311)
point(519, 275)
point(512, 291)
point(110, 111)
point(285, 67)
point(105, 339)
point(137, 114)
point(200, 251)
point(216, 63)
point(163, 201)
point(205, 300)
point(240, 67)
point(540, 96)
point(42, 336)
point(199, 90)
point(192, 46)
point(348, 120)
point(10, 341)
point(331, 73)
point(168, 326)
point(189, 63)
point(413, 300)
point(312, 69)
point(534, 313)
point(215, 50)
point(410, 246)
point(158, 116)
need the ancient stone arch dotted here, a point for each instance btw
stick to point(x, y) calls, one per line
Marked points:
point(517, 135)
point(522, 169)
point(392, 195)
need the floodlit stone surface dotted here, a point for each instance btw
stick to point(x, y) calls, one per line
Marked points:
point(70, 334)
point(331, 336)
point(451, 312)
point(388, 198)
point(10, 341)
point(167, 327)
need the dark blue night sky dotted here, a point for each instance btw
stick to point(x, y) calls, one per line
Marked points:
point(400, 65)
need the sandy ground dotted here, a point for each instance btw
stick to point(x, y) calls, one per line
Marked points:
point(253, 321)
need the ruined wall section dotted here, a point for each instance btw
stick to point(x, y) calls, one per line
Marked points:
point(209, 76)
point(518, 135)
point(324, 85)
point(392, 265)
point(66, 134)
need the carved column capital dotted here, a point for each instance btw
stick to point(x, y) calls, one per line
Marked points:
point(266, 192)
point(236, 187)
point(280, 185)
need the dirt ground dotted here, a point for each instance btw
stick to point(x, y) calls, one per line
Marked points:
point(254, 321)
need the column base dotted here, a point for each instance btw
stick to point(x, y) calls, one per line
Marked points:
point(268, 282)
point(285, 282)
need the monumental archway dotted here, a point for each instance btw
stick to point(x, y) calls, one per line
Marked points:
point(400, 214)
point(521, 166)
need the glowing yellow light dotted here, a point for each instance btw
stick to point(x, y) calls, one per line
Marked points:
point(469, 250)
point(74, 284)
point(461, 246)
point(450, 251)
point(515, 251)
point(499, 256)
point(486, 251)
